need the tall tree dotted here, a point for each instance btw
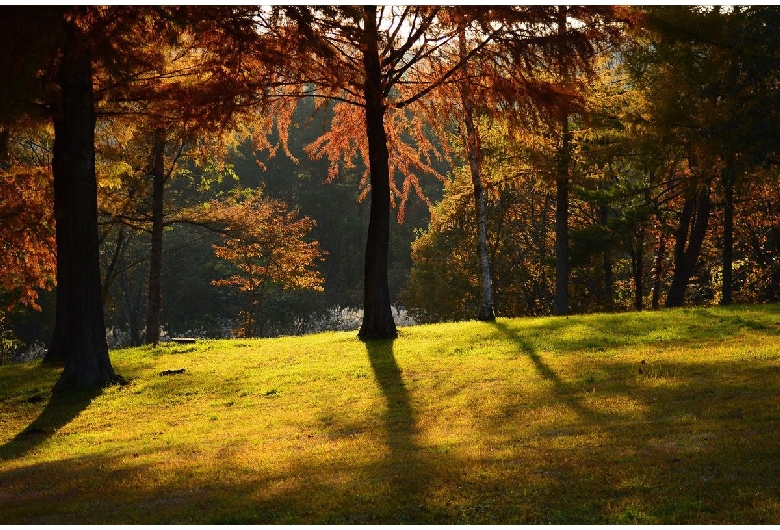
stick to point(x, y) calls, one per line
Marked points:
point(80, 333)
point(378, 319)
point(510, 78)
point(182, 106)
point(751, 136)
point(562, 177)
point(364, 57)
point(443, 283)
point(474, 155)
point(73, 40)
point(157, 171)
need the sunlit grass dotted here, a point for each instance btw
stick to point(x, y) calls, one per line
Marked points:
point(658, 417)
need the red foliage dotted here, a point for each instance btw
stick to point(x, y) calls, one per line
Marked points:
point(27, 244)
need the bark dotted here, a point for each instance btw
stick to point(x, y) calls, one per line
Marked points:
point(111, 272)
point(728, 242)
point(658, 270)
point(155, 257)
point(378, 320)
point(81, 333)
point(637, 268)
point(485, 312)
point(688, 242)
point(5, 157)
point(609, 275)
point(561, 304)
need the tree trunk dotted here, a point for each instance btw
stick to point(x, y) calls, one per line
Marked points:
point(728, 242)
point(111, 272)
point(378, 320)
point(132, 298)
point(561, 305)
point(5, 157)
point(80, 333)
point(609, 282)
point(692, 229)
point(609, 273)
point(155, 257)
point(637, 268)
point(658, 270)
point(485, 311)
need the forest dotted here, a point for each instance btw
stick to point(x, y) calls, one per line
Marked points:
point(257, 171)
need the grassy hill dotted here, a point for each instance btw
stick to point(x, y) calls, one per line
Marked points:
point(658, 417)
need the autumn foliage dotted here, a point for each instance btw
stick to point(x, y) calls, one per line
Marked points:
point(267, 244)
point(27, 246)
point(616, 148)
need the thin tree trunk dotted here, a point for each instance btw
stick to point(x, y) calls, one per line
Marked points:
point(680, 276)
point(609, 281)
point(499, 232)
point(561, 306)
point(5, 156)
point(728, 242)
point(485, 310)
point(134, 328)
point(249, 321)
point(658, 270)
point(111, 271)
point(132, 302)
point(692, 229)
point(378, 320)
point(80, 333)
point(155, 256)
point(609, 275)
point(637, 268)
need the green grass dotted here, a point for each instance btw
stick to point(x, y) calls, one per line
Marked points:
point(658, 417)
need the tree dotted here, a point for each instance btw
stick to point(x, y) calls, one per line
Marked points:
point(80, 333)
point(474, 155)
point(751, 134)
point(267, 244)
point(581, 32)
point(26, 234)
point(188, 87)
point(73, 40)
point(706, 76)
point(532, 72)
point(27, 245)
point(444, 281)
point(363, 57)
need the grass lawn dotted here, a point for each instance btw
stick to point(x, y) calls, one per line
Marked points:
point(656, 417)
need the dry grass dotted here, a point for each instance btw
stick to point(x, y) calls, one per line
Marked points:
point(664, 417)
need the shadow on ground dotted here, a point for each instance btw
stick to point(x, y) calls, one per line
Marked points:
point(407, 477)
point(61, 408)
point(700, 448)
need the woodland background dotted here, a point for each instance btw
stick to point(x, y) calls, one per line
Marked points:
point(644, 141)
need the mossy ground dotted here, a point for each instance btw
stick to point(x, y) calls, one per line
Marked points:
point(656, 417)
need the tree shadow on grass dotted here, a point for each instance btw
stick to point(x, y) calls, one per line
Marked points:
point(58, 412)
point(692, 457)
point(410, 483)
point(567, 391)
